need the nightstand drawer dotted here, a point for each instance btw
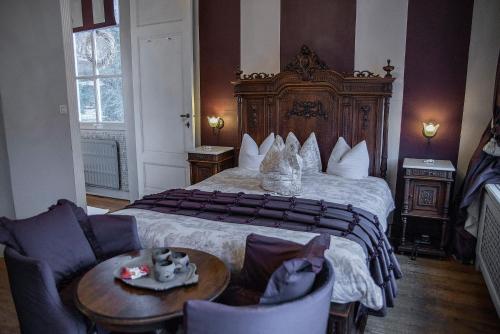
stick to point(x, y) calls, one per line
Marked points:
point(210, 157)
point(429, 173)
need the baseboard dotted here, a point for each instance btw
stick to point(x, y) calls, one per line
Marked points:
point(108, 193)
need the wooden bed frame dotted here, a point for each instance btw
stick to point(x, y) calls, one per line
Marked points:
point(307, 96)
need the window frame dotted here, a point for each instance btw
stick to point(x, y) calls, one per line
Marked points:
point(98, 123)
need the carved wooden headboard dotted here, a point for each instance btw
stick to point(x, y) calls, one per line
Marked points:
point(307, 96)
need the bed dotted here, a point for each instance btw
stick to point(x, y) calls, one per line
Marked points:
point(305, 97)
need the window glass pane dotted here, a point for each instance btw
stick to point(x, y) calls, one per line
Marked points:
point(108, 50)
point(83, 53)
point(86, 100)
point(116, 11)
point(111, 99)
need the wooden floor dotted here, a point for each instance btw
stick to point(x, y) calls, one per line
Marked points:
point(438, 297)
point(434, 297)
point(111, 204)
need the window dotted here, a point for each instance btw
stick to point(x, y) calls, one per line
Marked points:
point(99, 75)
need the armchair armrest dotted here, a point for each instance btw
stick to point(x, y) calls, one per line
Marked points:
point(38, 304)
point(114, 234)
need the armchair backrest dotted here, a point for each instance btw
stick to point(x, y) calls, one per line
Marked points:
point(307, 315)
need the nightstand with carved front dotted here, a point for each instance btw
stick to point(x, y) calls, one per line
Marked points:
point(426, 200)
point(206, 161)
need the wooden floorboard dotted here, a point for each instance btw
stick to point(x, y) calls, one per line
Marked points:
point(434, 297)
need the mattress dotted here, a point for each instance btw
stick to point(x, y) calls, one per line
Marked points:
point(353, 281)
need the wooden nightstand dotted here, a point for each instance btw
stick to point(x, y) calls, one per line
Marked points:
point(206, 161)
point(427, 194)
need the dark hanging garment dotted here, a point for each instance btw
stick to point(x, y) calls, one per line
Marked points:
point(484, 168)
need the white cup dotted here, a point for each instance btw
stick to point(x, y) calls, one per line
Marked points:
point(160, 254)
point(181, 261)
point(164, 270)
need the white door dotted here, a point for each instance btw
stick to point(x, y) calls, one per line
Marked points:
point(162, 62)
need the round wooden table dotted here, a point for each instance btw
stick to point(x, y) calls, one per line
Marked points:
point(117, 306)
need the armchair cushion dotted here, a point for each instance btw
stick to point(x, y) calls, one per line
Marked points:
point(263, 255)
point(101, 231)
point(238, 295)
point(114, 234)
point(55, 238)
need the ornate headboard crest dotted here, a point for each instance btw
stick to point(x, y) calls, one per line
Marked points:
point(305, 63)
point(308, 96)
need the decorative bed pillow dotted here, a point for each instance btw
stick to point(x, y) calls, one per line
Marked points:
point(251, 155)
point(311, 158)
point(281, 169)
point(292, 280)
point(56, 238)
point(292, 142)
point(263, 255)
point(349, 163)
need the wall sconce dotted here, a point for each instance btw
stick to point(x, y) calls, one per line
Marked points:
point(216, 123)
point(429, 129)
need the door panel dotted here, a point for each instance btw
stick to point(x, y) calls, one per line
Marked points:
point(160, 11)
point(162, 64)
point(160, 177)
point(161, 94)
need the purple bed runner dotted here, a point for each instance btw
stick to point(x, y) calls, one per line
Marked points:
point(290, 213)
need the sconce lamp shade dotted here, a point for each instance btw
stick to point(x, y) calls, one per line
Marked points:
point(429, 129)
point(215, 122)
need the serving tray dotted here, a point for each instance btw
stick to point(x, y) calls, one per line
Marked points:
point(190, 276)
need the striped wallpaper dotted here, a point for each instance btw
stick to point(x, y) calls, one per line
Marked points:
point(427, 41)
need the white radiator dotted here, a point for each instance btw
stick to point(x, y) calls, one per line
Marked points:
point(488, 241)
point(101, 163)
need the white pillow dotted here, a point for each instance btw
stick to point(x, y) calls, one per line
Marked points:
point(266, 144)
point(250, 154)
point(281, 169)
point(292, 142)
point(349, 163)
point(311, 158)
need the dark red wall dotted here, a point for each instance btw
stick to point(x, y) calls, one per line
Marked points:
point(219, 31)
point(437, 44)
point(437, 48)
point(326, 26)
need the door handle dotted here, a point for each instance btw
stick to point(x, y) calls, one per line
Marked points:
point(186, 117)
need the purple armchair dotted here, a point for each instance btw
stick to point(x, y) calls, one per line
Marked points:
point(42, 292)
point(39, 306)
point(307, 315)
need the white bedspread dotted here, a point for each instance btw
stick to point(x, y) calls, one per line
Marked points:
point(371, 193)
point(353, 281)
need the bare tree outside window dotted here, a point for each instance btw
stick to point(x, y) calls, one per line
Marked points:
point(99, 74)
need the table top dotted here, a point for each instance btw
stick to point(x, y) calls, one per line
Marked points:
point(211, 150)
point(444, 165)
point(118, 306)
